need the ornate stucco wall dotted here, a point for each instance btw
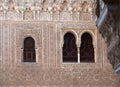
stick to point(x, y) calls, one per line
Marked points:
point(48, 30)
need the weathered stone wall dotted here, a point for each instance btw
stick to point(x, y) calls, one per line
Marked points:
point(49, 70)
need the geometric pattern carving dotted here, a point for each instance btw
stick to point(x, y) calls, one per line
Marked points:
point(28, 14)
point(45, 9)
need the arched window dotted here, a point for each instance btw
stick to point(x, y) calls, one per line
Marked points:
point(86, 48)
point(29, 50)
point(69, 48)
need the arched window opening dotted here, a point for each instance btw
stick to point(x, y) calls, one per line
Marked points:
point(29, 50)
point(86, 48)
point(69, 48)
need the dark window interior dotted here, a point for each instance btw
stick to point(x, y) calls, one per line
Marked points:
point(29, 50)
point(86, 49)
point(69, 48)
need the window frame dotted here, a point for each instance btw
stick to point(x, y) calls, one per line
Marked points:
point(93, 34)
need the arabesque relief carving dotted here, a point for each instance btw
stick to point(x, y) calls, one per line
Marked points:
point(50, 7)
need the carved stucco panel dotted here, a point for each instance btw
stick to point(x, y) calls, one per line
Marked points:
point(2, 15)
point(52, 45)
point(45, 45)
point(45, 16)
point(12, 15)
point(21, 35)
point(28, 15)
point(65, 16)
point(6, 45)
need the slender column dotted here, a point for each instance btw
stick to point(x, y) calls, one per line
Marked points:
point(78, 54)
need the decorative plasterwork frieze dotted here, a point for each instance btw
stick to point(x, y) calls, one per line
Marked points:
point(50, 7)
